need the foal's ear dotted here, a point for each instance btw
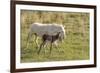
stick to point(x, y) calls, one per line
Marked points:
point(59, 32)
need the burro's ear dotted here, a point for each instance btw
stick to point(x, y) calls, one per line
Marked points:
point(64, 26)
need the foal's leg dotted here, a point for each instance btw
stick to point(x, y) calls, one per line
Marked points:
point(41, 47)
point(50, 48)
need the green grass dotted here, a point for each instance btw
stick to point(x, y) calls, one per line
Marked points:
point(74, 47)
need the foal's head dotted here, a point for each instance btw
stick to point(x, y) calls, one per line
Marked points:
point(55, 37)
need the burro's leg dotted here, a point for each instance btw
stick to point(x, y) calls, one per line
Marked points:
point(56, 45)
point(28, 37)
point(36, 40)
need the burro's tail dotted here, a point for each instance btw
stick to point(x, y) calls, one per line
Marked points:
point(27, 39)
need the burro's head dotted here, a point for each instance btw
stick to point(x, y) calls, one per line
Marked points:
point(62, 34)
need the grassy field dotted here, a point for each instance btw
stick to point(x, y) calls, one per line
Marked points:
point(74, 47)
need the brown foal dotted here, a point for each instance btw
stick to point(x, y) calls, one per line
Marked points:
point(50, 38)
